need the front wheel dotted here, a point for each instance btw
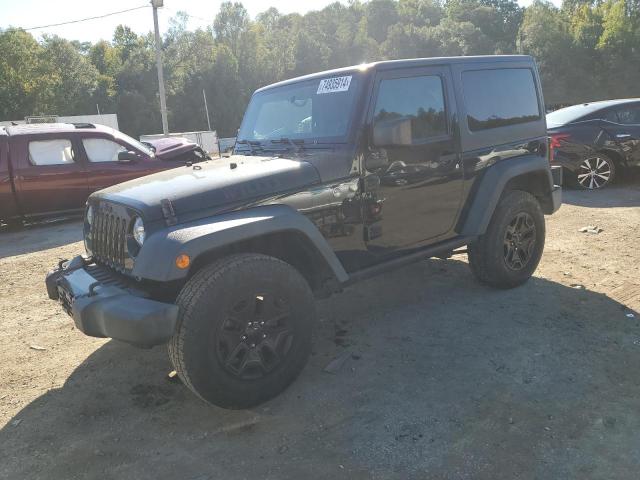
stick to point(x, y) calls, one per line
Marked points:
point(244, 330)
point(507, 254)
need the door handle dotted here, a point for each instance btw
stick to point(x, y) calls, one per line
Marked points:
point(623, 135)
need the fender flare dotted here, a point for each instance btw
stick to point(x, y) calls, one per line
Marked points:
point(484, 199)
point(156, 260)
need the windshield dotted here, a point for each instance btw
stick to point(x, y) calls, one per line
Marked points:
point(318, 109)
point(133, 142)
point(570, 114)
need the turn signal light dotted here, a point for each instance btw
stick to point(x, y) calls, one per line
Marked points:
point(183, 261)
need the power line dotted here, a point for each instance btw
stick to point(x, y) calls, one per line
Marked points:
point(85, 19)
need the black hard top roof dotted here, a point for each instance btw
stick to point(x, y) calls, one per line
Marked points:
point(404, 63)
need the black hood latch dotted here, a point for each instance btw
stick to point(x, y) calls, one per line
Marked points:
point(168, 212)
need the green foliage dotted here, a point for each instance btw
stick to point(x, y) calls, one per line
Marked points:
point(586, 50)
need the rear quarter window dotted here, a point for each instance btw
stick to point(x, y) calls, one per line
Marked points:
point(499, 98)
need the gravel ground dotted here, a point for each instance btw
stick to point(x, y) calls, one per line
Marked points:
point(443, 378)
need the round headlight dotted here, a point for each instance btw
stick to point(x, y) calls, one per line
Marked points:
point(138, 231)
point(90, 215)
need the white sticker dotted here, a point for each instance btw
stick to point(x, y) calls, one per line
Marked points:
point(335, 84)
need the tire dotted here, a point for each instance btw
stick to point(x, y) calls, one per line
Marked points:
point(499, 257)
point(594, 173)
point(244, 330)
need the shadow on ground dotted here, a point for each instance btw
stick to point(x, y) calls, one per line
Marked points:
point(54, 233)
point(446, 379)
point(625, 192)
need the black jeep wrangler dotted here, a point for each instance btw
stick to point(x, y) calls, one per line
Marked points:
point(335, 176)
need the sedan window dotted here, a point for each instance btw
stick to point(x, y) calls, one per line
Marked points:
point(629, 115)
point(611, 116)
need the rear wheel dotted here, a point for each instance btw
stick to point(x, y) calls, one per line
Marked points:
point(244, 330)
point(509, 252)
point(595, 172)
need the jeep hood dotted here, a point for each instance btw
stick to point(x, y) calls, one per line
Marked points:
point(211, 187)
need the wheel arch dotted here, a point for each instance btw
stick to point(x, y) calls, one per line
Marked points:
point(276, 230)
point(615, 155)
point(529, 173)
point(535, 183)
point(290, 246)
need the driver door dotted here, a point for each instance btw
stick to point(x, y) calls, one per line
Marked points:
point(413, 171)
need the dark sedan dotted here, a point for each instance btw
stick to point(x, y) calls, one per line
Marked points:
point(595, 141)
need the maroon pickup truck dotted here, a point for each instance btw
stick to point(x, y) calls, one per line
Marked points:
point(51, 169)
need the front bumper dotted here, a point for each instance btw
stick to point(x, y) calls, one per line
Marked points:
point(106, 309)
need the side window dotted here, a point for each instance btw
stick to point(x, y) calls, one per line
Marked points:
point(610, 116)
point(102, 150)
point(51, 152)
point(499, 98)
point(629, 115)
point(418, 99)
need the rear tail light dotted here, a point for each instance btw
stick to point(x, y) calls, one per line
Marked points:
point(555, 141)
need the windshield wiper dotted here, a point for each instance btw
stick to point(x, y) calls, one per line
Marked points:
point(251, 144)
point(296, 142)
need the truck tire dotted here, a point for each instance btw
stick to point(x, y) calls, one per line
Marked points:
point(507, 254)
point(244, 330)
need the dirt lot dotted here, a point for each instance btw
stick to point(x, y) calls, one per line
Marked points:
point(444, 379)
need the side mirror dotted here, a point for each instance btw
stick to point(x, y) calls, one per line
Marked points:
point(392, 132)
point(127, 156)
point(150, 146)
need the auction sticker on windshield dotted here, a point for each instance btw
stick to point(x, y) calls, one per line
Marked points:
point(335, 84)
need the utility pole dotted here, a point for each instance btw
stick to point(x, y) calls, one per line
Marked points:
point(163, 101)
point(206, 109)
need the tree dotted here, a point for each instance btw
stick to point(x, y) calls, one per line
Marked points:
point(420, 13)
point(21, 83)
point(380, 15)
point(71, 76)
point(545, 35)
point(230, 23)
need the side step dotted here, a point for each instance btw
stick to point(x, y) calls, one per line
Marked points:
point(443, 250)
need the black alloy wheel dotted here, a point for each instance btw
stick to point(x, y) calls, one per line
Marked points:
point(519, 241)
point(256, 336)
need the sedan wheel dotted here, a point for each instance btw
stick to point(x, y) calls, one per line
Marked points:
point(595, 172)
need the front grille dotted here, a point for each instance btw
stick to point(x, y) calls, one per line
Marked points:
point(107, 277)
point(109, 237)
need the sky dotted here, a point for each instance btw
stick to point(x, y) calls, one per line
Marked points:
point(35, 13)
